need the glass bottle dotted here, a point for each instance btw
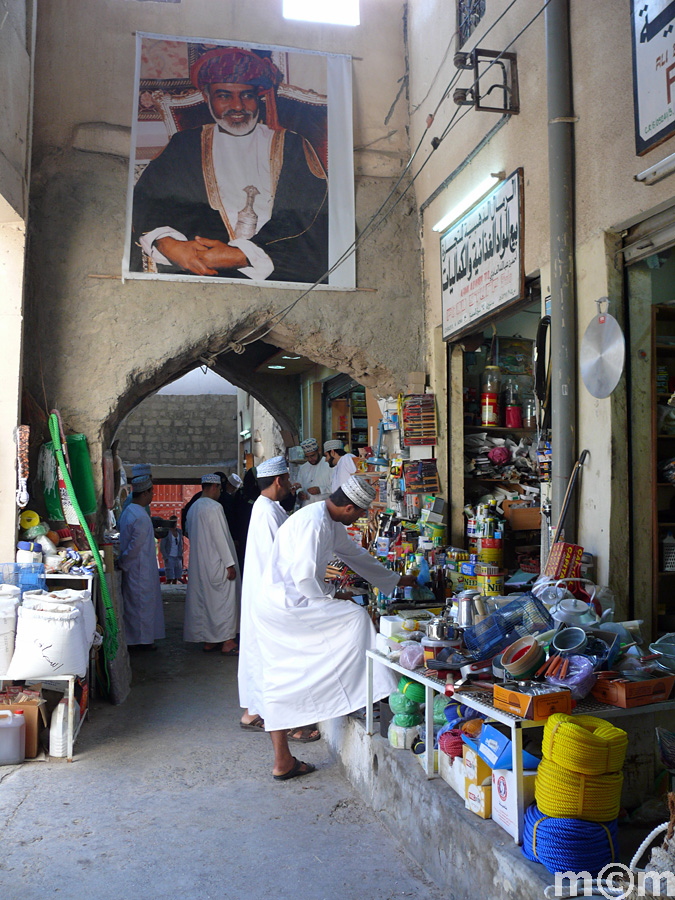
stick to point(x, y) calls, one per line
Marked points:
point(529, 410)
point(489, 399)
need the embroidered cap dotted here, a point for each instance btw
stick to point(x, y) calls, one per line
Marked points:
point(272, 467)
point(141, 483)
point(333, 445)
point(359, 491)
point(211, 479)
point(235, 480)
point(139, 469)
point(310, 445)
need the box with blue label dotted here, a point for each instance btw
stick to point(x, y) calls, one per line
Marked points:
point(495, 748)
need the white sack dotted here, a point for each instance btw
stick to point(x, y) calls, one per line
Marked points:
point(8, 607)
point(49, 642)
point(78, 599)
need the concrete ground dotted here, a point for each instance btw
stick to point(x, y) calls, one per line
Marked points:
point(167, 797)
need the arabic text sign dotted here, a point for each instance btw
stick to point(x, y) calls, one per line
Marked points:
point(653, 35)
point(481, 264)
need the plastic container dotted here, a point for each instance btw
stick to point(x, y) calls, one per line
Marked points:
point(28, 552)
point(58, 729)
point(433, 648)
point(12, 738)
point(26, 576)
point(489, 398)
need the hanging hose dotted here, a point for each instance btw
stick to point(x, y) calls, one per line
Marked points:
point(568, 845)
point(584, 744)
point(110, 641)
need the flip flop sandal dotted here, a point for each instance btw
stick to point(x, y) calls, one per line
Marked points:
point(233, 652)
point(256, 724)
point(305, 734)
point(297, 771)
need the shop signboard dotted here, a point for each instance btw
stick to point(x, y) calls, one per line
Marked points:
point(241, 164)
point(482, 259)
point(653, 38)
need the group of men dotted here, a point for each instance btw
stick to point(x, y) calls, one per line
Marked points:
point(301, 646)
point(321, 475)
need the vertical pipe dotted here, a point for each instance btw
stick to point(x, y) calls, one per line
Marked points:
point(561, 220)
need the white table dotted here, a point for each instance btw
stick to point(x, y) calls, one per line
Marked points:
point(482, 702)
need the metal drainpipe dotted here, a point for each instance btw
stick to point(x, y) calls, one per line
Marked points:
point(561, 189)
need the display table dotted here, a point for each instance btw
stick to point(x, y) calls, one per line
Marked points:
point(482, 702)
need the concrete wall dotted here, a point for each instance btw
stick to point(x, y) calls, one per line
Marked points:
point(106, 345)
point(16, 64)
point(171, 430)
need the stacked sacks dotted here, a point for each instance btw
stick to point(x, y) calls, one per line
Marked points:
point(572, 825)
point(404, 727)
point(10, 597)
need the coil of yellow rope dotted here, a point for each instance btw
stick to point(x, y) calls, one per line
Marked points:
point(584, 744)
point(564, 794)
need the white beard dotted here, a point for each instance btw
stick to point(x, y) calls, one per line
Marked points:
point(238, 130)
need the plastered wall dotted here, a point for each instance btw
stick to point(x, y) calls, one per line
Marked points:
point(105, 345)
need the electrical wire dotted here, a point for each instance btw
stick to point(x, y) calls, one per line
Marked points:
point(375, 221)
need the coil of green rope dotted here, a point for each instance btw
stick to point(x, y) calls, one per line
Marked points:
point(413, 690)
point(110, 636)
point(584, 744)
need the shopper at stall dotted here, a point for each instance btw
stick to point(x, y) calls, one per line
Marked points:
point(314, 475)
point(143, 612)
point(171, 547)
point(341, 462)
point(315, 642)
point(228, 499)
point(245, 499)
point(266, 517)
point(212, 597)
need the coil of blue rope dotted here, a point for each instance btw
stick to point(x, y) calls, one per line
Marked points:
point(564, 845)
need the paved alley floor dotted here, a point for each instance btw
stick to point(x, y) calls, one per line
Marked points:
point(168, 798)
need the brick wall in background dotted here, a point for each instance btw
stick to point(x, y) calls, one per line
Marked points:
point(191, 430)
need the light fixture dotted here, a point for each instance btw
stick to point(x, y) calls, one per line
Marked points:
point(470, 200)
point(658, 171)
point(276, 367)
point(245, 434)
point(291, 357)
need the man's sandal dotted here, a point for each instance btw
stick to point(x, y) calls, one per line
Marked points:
point(306, 734)
point(297, 771)
point(256, 724)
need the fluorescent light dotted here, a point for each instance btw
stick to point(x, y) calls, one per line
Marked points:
point(331, 12)
point(276, 367)
point(245, 434)
point(290, 357)
point(470, 200)
point(658, 171)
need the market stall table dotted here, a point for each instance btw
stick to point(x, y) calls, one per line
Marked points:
point(482, 702)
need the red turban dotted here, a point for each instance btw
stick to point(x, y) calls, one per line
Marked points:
point(234, 65)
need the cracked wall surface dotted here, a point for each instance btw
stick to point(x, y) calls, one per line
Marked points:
point(98, 346)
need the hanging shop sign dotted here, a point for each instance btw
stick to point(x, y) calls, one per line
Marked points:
point(241, 164)
point(482, 259)
point(653, 38)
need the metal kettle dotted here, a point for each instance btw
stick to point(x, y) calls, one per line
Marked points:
point(437, 629)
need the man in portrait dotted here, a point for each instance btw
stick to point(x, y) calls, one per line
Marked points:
point(237, 198)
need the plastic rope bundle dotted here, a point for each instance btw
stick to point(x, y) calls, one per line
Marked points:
point(568, 845)
point(110, 640)
point(413, 690)
point(561, 793)
point(584, 744)
point(451, 743)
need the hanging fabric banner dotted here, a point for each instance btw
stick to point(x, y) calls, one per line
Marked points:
point(241, 164)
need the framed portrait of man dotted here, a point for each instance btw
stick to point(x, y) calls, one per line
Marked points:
point(241, 165)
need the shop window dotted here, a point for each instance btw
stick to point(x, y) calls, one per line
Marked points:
point(469, 14)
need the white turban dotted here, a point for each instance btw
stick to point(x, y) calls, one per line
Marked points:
point(272, 467)
point(235, 480)
point(359, 491)
point(211, 479)
point(333, 445)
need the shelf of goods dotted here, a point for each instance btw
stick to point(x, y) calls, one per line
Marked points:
point(482, 702)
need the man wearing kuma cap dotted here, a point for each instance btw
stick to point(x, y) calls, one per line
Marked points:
point(239, 198)
point(341, 462)
point(315, 642)
point(314, 475)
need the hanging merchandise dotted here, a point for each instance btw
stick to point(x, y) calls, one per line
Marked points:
point(602, 353)
point(22, 437)
point(421, 477)
point(417, 413)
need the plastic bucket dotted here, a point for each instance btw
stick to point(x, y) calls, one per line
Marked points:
point(12, 738)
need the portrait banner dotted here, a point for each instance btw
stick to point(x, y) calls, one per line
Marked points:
point(482, 269)
point(241, 166)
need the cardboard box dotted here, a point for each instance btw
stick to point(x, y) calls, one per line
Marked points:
point(476, 769)
point(564, 560)
point(451, 770)
point(495, 749)
point(478, 798)
point(521, 516)
point(528, 706)
point(627, 694)
point(504, 808)
point(34, 714)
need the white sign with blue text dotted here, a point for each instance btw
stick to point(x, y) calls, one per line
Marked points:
point(482, 258)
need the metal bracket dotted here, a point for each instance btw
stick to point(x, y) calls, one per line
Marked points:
point(504, 72)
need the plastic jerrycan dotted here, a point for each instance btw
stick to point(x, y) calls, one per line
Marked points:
point(12, 738)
